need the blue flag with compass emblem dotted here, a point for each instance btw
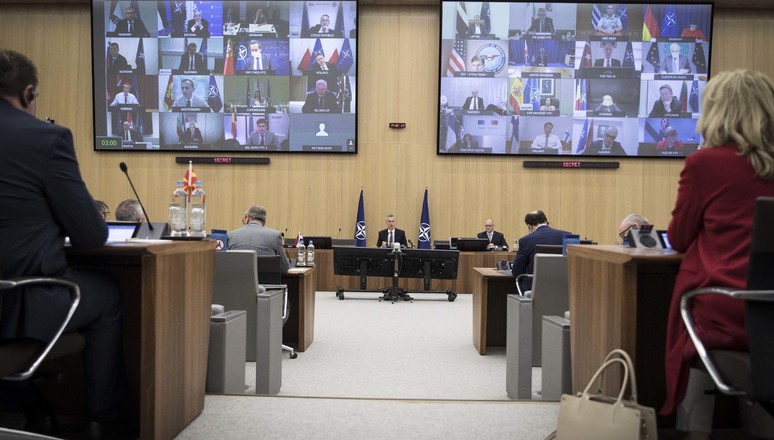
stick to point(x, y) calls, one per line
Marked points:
point(360, 226)
point(424, 226)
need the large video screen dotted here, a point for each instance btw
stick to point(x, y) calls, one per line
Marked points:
point(225, 76)
point(598, 79)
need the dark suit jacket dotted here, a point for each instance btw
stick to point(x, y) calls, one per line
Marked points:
point(525, 256)
point(596, 149)
point(658, 111)
point(548, 25)
point(331, 68)
point(329, 105)
point(498, 239)
point(203, 32)
point(42, 199)
point(120, 63)
point(133, 134)
point(682, 61)
point(139, 29)
point(469, 99)
point(601, 62)
point(399, 236)
point(541, 60)
point(200, 64)
point(265, 60)
point(316, 30)
point(187, 138)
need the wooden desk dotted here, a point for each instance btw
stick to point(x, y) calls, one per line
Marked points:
point(326, 280)
point(490, 290)
point(619, 298)
point(299, 329)
point(166, 288)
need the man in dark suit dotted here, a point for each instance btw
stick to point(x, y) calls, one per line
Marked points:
point(116, 61)
point(254, 235)
point(473, 102)
point(193, 60)
point(131, 24)
point(541, 60)
point(320, 65)
point(198, 26)
point(666, 104)
point(607, 146)
point(324, 28)
point(191, 136)
point(539, 233)
point(541, 24)
point(256, 59)
point(496, 239)
point(43, 199)
point(129, 133)
point(607, 60)
point(391, 235)
point(321, 100)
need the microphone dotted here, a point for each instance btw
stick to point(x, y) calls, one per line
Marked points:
point(125, 169)
point(410, 243)
point(337, 234)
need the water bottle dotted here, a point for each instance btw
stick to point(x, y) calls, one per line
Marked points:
point(301, 257)
point(310, 254)
point(177, 211)
point(515, 245)
point(198, 211)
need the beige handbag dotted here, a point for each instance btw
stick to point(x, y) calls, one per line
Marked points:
point(596, 416)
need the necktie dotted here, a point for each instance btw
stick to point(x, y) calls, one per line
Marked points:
point(546, 141)
point(130, 27)
point(607, 62)
point(191, 62)
point(255, 63)
point(676, 67)
point(188, 103)
point(490, 236)
point(324, 30)
point(541, 25)
point(319, 103)
point(127, 135)
point(261, 140)
point(125, 96)
point(324, 67)
point(390, 240)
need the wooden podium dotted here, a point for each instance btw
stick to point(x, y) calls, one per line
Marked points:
point(166, 288)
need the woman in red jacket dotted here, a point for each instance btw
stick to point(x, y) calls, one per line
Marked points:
point(712, 221)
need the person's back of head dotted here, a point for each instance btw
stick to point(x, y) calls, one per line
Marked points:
point(631, 221)
point(129, 211)
point(256, 212)
point(17, 73)
point(102, 208)
point(535, 218)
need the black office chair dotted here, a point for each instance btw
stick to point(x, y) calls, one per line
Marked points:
point(737, 373)
point(20, 358)
point(269, 274)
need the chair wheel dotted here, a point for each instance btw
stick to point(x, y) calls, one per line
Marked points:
point(452, 296)
point(293, 355)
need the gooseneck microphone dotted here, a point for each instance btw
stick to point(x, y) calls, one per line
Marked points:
point(125, 169)
point(337, 234)
point(410, 243)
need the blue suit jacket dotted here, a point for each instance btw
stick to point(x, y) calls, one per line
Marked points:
point(525, 256)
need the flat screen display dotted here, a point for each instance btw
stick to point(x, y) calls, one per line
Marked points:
point(596, 79)
point(268, 76)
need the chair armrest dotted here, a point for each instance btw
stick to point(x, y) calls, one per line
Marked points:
point(519, 278)
point(284, 288)
point(75, 299)
point(685, 311)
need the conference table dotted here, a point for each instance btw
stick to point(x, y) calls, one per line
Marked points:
point(490, 292)
point(166, 289)
point(619, 298)
point(326, 280)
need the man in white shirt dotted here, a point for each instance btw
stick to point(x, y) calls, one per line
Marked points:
point(547, 140)
point(188, 99)
point(675, 63)
point(473, 102)
point(125, 97)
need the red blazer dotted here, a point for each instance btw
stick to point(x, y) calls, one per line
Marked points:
point(712, 224)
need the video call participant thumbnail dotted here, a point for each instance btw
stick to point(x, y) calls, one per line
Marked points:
point(666, 105)
point(192, 61)
point(324, 29)
point(131, 24)
point(198, 26)
point(256, 60)
point(188, 99)
point(541, 24)
point(262, 136)
point(321, 100)
point(607, 146)
point(116, 62)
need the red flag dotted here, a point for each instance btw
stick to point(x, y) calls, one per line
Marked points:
point(168, 100)
point(684, 97)
point(586, 58)
point(299, 238)
point(189, 180)
point(228, 64)
point(233, 126)
point(335, 57)
point(650, 28)
point(304, 64)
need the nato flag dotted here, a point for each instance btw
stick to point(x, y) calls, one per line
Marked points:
point(424, 226)
point(360, 226)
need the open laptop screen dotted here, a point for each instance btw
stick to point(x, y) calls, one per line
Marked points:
point(121, 231)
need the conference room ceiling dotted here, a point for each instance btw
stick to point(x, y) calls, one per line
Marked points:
point(720, 4)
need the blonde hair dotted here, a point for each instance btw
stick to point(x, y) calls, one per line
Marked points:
point(738, 109)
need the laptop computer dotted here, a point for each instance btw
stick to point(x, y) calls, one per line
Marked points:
point(121, 231)
point(159, 229)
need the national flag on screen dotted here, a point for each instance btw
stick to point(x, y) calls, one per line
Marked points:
point(334, 59)
point(485, 16)
point(623, 15)
point(305, 20)
point(136, 88)
point(169, 99)
point(650, 28)
point(684, 97)
point(163, 18)
point(424, 227)
point(346, 60)
point(203, 48)
point(340, 20)
point(360, 224)
point(586, 57)
point(180, 127)
point(347, 92)
point(596, 14)
point(669, 23)
point(213, 98)
point(654, 56)
point(228, 64)
point(516, 96)
point(268, 91)
point(694, 99)
point(318, 49)
point(526, 54)
point(239, 57)
point(628, 59)
point(306, 61)
point(532, 92)
point(664, 125)
point(179, 17)
point(139, 58)
point(698, 58)
point(580, 95)
point(247, 92)
point(233, 125)
point(451, 130)
point(457, 58)
point(585, 137)
point(258, 89)
point(115, 12)
point(651, 131)
point(462, 20)
point(515, 132)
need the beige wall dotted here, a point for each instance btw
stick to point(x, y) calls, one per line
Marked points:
point(398, 81)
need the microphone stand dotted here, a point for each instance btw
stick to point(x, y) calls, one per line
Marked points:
point(125, 169)
point(395, 293)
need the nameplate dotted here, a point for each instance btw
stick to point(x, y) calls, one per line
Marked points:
point(223, 160)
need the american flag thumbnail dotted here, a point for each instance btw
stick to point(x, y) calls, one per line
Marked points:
point(456, 59)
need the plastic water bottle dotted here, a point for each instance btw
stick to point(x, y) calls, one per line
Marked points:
point(301, 258)
point(310, 254)
point(198, 211)
point(178, 209)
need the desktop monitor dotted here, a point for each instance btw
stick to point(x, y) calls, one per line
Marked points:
point(320, 242)
point(432, 264)
point(360, 261)
point(472, 244)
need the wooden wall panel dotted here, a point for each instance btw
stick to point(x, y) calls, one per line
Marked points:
point(398, 82)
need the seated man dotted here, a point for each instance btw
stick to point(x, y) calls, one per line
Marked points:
point(539, 233)
point(321, 100)
point(608, 145)
point(631, 221)
point(129, 211)
point(496, 239)
point(129, 134)
point(607, 60)
point(262, 135)
point(391, 235)
point(192, 60)
point(125, 98)
point(547, 139)
point(254, 235)
point(541, 24)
